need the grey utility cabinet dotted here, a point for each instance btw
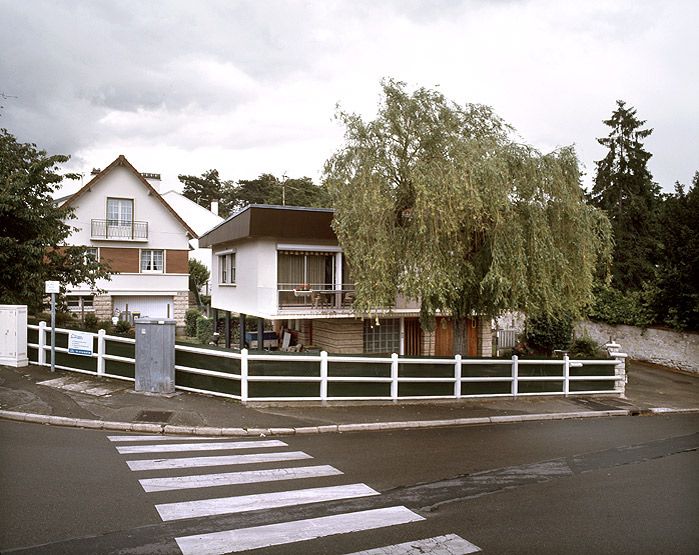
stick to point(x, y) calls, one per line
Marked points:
point(155, 355)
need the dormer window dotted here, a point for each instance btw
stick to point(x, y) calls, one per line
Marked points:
point(120, 211)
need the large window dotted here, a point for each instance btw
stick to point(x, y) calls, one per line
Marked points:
point(226, 268)
point(152, 261)
point(120, 211)
point(298, 269)
point(81, 303)
point(382, 337)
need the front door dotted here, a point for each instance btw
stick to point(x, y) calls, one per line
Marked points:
point(444, 338)
point(413, 337)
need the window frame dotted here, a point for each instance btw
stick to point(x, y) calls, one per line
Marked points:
point(226, 266)
point(151, 254)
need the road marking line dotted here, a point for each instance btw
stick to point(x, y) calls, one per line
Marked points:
point(232, 541)
point(159, 438)
point(244, 503)
point(217, 446)
point(451, 544)
point(234, 478)
point(192, 462)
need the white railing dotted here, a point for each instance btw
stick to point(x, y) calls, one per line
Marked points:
point(324, 377)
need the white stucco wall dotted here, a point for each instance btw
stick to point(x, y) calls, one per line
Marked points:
point(669, 348)
point(164, 231)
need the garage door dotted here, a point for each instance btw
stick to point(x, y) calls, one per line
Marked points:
point(148, 307)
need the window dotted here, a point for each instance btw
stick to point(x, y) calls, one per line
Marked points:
point(120, 211)
point(81, 303)
point(152, 261)
point(91, 253)
point(226, 265)
point(313, 269)
point(383, 337)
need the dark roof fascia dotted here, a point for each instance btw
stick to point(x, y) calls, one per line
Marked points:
point(122, 161)
point(249, 222)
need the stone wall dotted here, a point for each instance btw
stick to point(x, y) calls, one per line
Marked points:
point(669, 348)
point(103, 307)
point(339, 336)
point(181, 304)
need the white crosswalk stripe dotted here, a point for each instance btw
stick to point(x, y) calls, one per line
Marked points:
point(222, 460)
point(158, 438)
point(451, 544)
point(218, 446)
point(234, 541)
point(236, 478)
point(243, 503)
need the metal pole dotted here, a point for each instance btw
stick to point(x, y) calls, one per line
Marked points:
point(53, 332)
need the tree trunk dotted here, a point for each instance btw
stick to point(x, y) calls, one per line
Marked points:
point(460, 323)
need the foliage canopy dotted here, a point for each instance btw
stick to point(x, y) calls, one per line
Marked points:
point(435, 201)
point(33, 229)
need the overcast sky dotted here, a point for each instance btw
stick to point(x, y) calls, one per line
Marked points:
point(251, 86)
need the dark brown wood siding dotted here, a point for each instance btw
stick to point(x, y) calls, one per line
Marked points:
point(177, 262)
point(122, 260)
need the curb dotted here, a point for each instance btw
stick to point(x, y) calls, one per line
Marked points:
point(334, 428)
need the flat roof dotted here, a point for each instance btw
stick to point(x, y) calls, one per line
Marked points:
point(268, 220)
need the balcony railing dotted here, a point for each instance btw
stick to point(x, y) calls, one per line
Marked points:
point(117, 230)
point(319, 296)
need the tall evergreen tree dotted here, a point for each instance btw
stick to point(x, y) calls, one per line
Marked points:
point(625, 189)
point(207, 188)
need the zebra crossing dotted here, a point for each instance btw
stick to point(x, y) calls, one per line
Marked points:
point(172, 451)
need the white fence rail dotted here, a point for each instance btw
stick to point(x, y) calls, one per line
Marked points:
point(322, 378)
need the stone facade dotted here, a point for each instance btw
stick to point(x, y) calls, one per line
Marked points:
point(339, 336)
point(180, 305)
point(614, 350)
point(668, 348)
point(103, 307)
point(485, 337)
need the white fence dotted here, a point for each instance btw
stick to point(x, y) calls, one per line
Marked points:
point(242, 371)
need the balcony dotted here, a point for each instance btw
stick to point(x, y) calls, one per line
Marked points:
point(115, 230)
point(315, 296)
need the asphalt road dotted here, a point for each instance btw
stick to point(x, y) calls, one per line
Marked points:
point(611, 485)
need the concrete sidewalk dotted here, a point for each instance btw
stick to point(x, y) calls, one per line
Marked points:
point(35, 394)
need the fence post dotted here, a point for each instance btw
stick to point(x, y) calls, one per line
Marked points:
point(101, 351)
point(566, 375)
point(41, 355)
point(243, 375)
point(323, 376)
point(457, 377)
point(394, 376)
point(515, 376)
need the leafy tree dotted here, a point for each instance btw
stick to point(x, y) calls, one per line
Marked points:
point(33, 229)
point(676, 301)
point(624, 188)
point(435, 201)
point(206, 189)
point(198, 277)
point(268, 189)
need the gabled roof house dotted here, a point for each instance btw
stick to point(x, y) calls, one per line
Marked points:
point(124, 221)
point(284, 264)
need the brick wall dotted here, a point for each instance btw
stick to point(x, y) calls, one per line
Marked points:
point(121, 260)
point(176, 262)
point(339, 336)
point(103, 307)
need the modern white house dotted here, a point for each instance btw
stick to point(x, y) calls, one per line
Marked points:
point(121, 217)
point(284, 264)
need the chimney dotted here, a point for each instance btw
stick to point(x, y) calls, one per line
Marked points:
point(153, 179)
point(214, 207)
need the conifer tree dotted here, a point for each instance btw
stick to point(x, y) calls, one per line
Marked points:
point(625, 189)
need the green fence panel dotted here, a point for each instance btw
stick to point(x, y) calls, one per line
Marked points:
point(483, 388)
point(345, 389)
point(207, 362)
point(528, 370)
point(541, 387)
point(582, 386)
point(283, 389)
point(284, 368)
point(207, 383)
point(425, 370)
point(118, 368)
point(359, 369)
point(425, 389)
point(486, 370)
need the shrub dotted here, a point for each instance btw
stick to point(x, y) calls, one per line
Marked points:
point(123, 327)
point(90, 322)
point(586, 347)
point(190, 322)
point(205, 329)
point(544, 334)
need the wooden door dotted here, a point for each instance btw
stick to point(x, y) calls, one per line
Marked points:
point(413, 337)
point(472, 337)
point(444, 338)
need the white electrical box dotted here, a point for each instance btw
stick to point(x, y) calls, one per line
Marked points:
point(13, 335)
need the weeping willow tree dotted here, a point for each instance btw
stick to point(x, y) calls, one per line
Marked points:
point(435, 201)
